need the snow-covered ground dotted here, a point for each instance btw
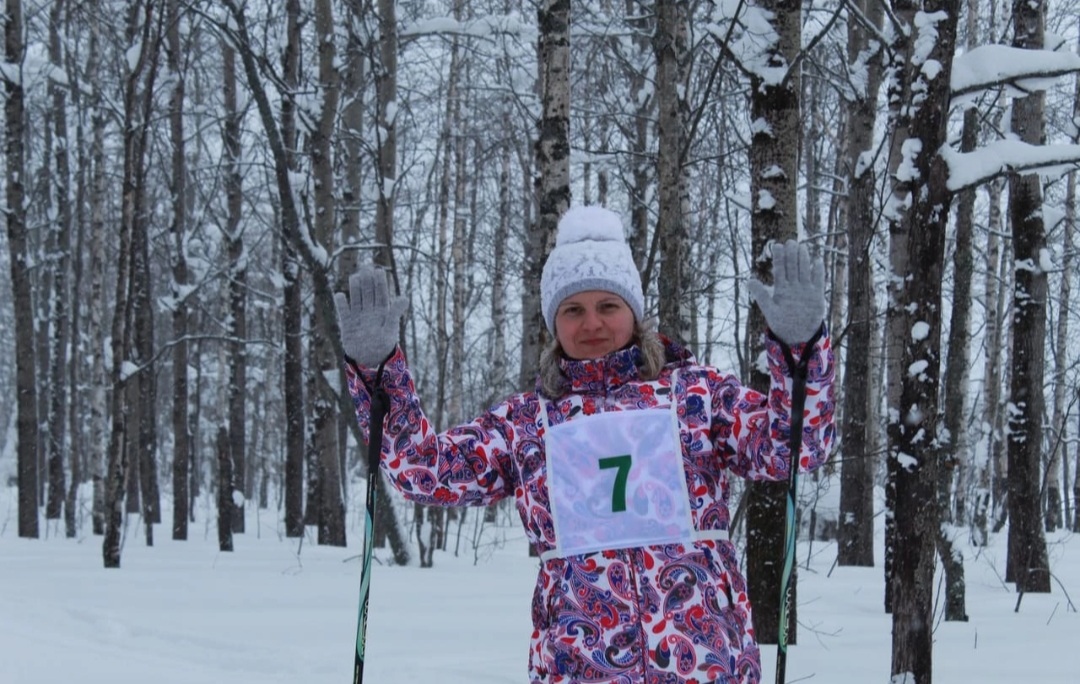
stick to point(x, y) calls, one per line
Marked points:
point(273, 611)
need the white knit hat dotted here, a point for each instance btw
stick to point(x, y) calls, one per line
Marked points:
point(590, 254)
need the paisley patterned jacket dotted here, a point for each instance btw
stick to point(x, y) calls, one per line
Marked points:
point(671, 614)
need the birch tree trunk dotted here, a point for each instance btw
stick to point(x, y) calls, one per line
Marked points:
point(61, 292)
point(919, 104)
point(552, 182)
point(237, 271)
point(386, 130)
point(1000, 471)
point(145, 444)
point(25, 371)
point(856, 525)
point(292, 309)
point(447, 146)
point(987, 493)
point(497, 352)
point(41, 246)
point(953, 461)
point(641, 172)
point(1057, 468)
point(1076, 492)
point(133, 478)
point(1002, 333)
point(139, 31)
point(386, 525)
point(324, 364)
point(962, 457)
point(180, 413)
point(1028, 564)
point(224, 497)
point(956, 371)
point(773, 177)
point(81, 363)
point(350, 141)
point(1070, 218)
point(899, 263)
point(95, 325)
point(143, 384)
point(460, 258)
point(194, 92)
point(669, 44)
point(956, 387)
point(1057, 489)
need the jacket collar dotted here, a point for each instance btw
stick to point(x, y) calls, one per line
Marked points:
point(618, 367)
point(594, 375)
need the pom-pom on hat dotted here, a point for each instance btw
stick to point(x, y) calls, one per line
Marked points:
point(590, 254)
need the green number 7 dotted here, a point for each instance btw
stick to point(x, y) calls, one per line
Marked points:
point(618, 496)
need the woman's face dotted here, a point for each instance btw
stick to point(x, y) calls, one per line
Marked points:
point(593, 323)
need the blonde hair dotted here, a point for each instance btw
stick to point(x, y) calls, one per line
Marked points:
point(553, 383)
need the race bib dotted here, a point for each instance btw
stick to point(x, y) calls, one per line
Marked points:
point(616, 480)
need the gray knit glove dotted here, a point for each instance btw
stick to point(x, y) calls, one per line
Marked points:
point(794, 307)
point(369, 317)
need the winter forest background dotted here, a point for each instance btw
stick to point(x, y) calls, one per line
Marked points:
point(187, 182)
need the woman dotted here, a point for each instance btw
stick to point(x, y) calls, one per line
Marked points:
point(618, 461)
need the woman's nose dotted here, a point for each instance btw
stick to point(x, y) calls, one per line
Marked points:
point(591, 319)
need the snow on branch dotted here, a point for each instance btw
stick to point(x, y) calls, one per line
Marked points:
point(746, 34)
point(1020, 69)
point(482, 27)
point(967, 169)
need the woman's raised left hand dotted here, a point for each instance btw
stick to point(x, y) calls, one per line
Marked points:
point(794, 307)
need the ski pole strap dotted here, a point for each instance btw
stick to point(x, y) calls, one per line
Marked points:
point(798, 389)
point(798, 403)
point(380, 402)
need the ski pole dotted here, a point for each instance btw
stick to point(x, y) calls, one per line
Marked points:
point(379, 402)
point(798, 403)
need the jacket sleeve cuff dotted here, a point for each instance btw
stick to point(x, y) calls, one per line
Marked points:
point(774, 347)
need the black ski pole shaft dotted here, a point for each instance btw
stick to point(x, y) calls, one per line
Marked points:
point(798, 403)
point(379, 402)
